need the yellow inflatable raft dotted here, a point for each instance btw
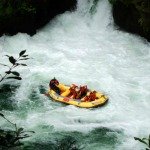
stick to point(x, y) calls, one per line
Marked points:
point(99, 101)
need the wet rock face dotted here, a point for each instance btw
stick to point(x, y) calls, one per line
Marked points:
point(132, 17)
point(29, 15)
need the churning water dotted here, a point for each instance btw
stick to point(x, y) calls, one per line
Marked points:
point(82, 47)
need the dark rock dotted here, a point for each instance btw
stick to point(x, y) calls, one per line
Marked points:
point(128, 18)
point(29, 15)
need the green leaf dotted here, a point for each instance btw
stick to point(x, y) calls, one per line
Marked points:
point(23, 64)
point(22, 52)
point(7, 55)
point(12, 60)
point(23, 137)
point(8, 72)
point(19, 130)
point(25, 55)
point(26, 136)
point(144, 139)
point(17, 78)
point(140, 140)
point(24, 58)
point(15, 73)
point(1, 115)
point(17, 64)
point(31, 131)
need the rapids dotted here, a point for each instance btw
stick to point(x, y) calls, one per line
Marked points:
point(81, 47)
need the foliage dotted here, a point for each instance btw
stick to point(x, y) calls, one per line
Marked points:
point(26, 8)
point(143, 8)
point(144, 141)
point(140, 7)
point(7, 90)
point(10, 73)
point(112, 1)
point(12, 138)
point(11, 7)
point(68, 143)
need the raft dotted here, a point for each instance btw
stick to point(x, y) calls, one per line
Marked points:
point(99, 101)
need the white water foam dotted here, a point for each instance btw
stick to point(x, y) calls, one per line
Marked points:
point(77, 47)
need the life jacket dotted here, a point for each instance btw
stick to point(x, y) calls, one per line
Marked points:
point(83, 90)
point(73, 92)
point(92, 96)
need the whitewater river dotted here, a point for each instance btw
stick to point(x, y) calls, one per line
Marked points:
point(82, 47)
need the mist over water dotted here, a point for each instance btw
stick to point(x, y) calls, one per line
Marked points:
point(82, 47)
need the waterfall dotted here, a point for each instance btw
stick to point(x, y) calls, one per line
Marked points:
point(82, 47)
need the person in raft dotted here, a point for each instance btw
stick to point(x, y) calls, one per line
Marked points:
point(82, 92)
point(53, 85)
point(73, 91)
point(76, 92)
point(90, 97)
